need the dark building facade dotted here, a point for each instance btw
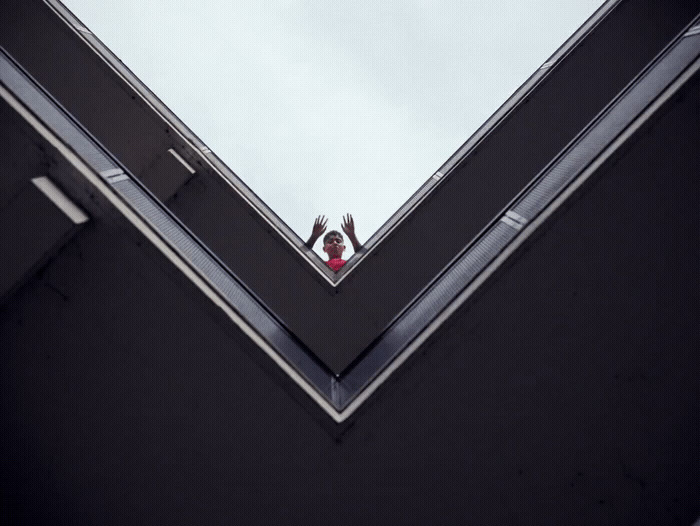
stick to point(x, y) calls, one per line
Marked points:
point(537, 365)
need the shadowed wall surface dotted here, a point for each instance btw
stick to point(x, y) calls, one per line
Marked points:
point(565, 391)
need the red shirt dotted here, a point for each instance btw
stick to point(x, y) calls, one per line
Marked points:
point(335, 263)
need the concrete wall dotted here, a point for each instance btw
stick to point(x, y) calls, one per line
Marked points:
point(565, 392)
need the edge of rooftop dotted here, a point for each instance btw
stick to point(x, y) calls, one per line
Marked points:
point(294, 242)
point(342, 411)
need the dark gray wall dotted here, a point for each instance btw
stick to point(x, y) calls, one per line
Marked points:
point(565, 392)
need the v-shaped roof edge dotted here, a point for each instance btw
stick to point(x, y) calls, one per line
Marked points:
point(294, 242)
point(451, 216)
point(340, 397)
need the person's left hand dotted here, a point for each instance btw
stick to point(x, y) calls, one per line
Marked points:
point(349, 226)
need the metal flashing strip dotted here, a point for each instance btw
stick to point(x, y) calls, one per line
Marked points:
point(547, 64)
point(615, 119)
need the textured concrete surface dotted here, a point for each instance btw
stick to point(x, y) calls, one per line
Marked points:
point(565, 392)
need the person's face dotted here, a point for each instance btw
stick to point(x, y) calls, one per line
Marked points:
point(334, 247)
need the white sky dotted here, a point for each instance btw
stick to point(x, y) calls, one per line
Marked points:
point(326, 107)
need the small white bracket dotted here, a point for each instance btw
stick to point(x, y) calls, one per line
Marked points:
point(514, 220)
point(182, 161)
point(65, 205)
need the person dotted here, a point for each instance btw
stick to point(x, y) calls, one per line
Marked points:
point(333, 243)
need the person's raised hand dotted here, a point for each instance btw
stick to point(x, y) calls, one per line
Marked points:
point(349, 229)
point(319, 226)
point(349, 226)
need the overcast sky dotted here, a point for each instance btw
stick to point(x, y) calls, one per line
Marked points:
point(326, 107)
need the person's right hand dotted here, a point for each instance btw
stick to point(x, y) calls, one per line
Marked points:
point(319, 226)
